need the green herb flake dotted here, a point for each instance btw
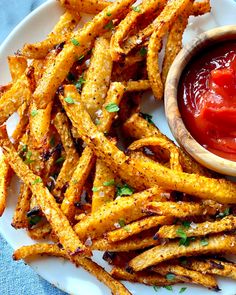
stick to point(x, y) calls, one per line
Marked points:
point(124, 190)
point(204, 242)
point(136, 8)
point(81, 57)
point(70, 77)
point(223, 214)
point(156, 288)
point(74, 181)
point(121, 222)
point(109, 182)
point(109, 26)
point(147, 117)
point(183, 260)
point(28, 158)
point(80, 83)
point(37, 180)
point(143, 51)
point(169, 288)
point(127, 228)
point(34, 113)
point(95, 189)
point(112, 107)
point(97, 122)
point(60, 160)
point(52, 141)
point(24, 148)
point(69, 100)
point(75, 42)
point(182, 290)
point(170, 276)
point(33, 220)
point(181, 233)
point(186, 242)
point(186, 224)
point(108, 14)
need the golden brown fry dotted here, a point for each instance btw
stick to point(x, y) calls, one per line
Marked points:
point(181, 209)
point(108, 216)
point(172, 250)
point(93, 268)
point(199, 229)
point(165, 19)
point(137, 227)
point(55, 74)
point(141, 85)
point(98, 77)
point(60, 33)
point(186, 275)
point(104, 181)
point(200, 8)
point(5, 177)
point(87, 6)
point(76, 184)
point(213, 266)
point(20, 219)
point(17, 65)
point(41, 232)
point(150, 279)
point(46, 201)
point(130, 21)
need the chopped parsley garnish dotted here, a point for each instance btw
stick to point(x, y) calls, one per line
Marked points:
point(109, 182)
point(52, 141)
point(34, 113)
point(60, 160)
point(80, 83)
point(184, 240)
point(156, 288)
point(170, 276)
point(108, 14)
point(124, 190)
point(37, 180)
point(169, 288)
point(28, 158)
point(112, 107)
point(35, 219)
point(204, 242)
point(136, 8)
point(75, 42)
point(143, 51)
point(121, 222)
point(69, 100)
point(223, 214)
point(24, 148)
point(97, 122)
point(186, 224)
point(109, 26)
point(147, 117)
point(95, 189)
point(182, 290)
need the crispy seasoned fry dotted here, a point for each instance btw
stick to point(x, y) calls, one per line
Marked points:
point(131, 21)
point(107, 217)
point(104, 181)
point(136, 227)
point(17, 65)
point(213, 266)
point(138, 127)
point(46, 201)
point(20, 219)
point(74, 190)
point(141, 85)
point(87, 6)
point(181, 209)
point(167, 16)
point(172, 250)
point(150, 279)
point(56, 73)
point(199, 229)
point(60, 33)
point(93, 268)
point(98, 77)
point(186, 275)
point(41, 232)
point(5, 177)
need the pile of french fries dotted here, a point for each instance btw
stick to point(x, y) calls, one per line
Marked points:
point(160, 217)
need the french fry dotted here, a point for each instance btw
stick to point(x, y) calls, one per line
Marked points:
point(172, 250)
point(60, 33)
point(107, 217)
point(105, 183)
point(20, 219)
point(17, 65)
point(5, 177)
point(213, 266)
point(186, 275)
point(55, 74)
point(137, 227)
point(93, 268)
point(46, 201)
point(74, 190)
point(167, 16)
point(181, 209)
point(41, 232)
point(97, 77)
point(87, 6)
point(150, 279)
point(227, 223)
point(129, 22)
point(141, 85)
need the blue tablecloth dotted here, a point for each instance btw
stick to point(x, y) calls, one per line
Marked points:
point(16, 278)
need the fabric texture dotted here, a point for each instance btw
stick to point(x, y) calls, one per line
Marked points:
point(16, 278)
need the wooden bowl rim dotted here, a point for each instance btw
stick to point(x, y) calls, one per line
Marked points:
point(176, 124)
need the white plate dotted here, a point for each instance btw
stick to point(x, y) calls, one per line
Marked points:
point(57, 271)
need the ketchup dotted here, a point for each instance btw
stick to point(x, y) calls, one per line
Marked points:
point(207, 99)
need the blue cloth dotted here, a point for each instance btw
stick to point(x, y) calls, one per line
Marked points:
point(16, 278)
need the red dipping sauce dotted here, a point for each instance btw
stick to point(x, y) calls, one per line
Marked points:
point(207, 99)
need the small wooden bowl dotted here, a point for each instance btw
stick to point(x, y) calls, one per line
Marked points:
point(178, 129)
